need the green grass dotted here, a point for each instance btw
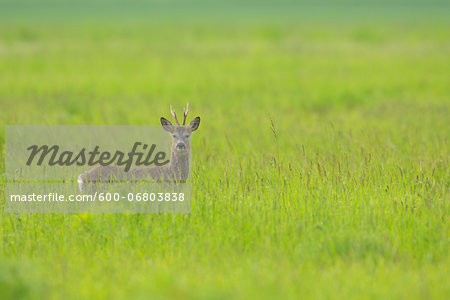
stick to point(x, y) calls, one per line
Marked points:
point(321, 166)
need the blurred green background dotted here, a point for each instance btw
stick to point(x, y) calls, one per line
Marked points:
point(320, 168)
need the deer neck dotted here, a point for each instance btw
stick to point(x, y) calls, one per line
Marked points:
point(179, 163)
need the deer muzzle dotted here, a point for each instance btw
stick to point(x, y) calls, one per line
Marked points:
point(181, 146)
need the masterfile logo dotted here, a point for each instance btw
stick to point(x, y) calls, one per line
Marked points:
point(44, 163)
point(53, 156)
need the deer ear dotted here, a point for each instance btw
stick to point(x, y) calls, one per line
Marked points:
point(166, 124)
point(194, 124)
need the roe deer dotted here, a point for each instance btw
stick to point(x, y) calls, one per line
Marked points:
point(176, 170)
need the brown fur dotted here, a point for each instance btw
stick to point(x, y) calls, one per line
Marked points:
point(176, 170)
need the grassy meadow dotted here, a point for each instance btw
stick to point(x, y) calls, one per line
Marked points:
point(320, 168)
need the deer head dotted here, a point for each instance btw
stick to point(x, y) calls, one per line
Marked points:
point(181, 134)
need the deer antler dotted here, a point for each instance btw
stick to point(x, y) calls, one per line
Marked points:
point(186, 111)
point(174, 115)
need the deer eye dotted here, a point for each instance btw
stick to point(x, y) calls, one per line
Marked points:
point(174, 135)
point(186, 136)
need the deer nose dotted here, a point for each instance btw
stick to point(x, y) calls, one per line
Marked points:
point(181, 146)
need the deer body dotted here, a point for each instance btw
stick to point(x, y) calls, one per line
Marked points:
point(176, 170)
